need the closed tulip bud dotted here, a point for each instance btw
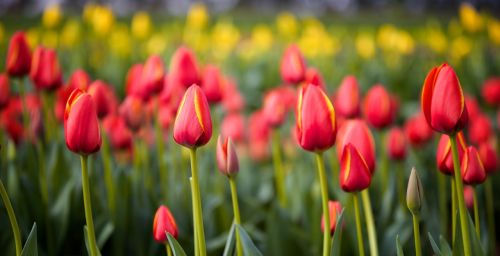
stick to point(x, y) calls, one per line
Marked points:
point(119, 135)
point(313, 76)
point(418, 131)
point(414, 193)
point(347, 98)
point(473, 109)
point(396, 144)
point(45, 70)
point(378, 107)
point(444, 156)
point(354, 173)
point(79, 79)
point(316, 125)
point(18, 56)
point(193, 124)
point(293, 66)
point(133, 111)
point(443, 100)
point(164, 223)
point(81, 126)
point(233, 125)
point(103, 97)
point(184, 68)
point(489, 157)
point(480, 129)
point(232, 101)
point(4, 90)
point(357, 133)
point(227, 159)
point(277, 103)
point(469, 197)
point(334, 209)
point(491, 91)
point(151, 78)
point(133, 80)
point(473, 172)
point(212, 84)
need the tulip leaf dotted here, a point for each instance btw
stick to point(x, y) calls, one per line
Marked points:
point(229, 248)
point(434, 246)
point(337, 235)
point(475, 243)
point(31, 246)
point(399, 247)
point(175, 246)
point(105, 234)
point(249, 248)
point(445, 247)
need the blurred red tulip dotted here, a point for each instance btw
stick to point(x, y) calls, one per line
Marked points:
point(489, 157)
point(491, 91)
point(277, 103)
point(10, 120)
point(334, 209)
point(444, 156)
point(233, 125)
point(469, 197)
point(133, 111)
point(193, 124)
point(346, 99)
point(172, 94)
point(417, 130)
point(212, 84)
point(184, 68)
point(259, 134)
point(396, 144)
point(4, 90)
point(473, 109)
point(116, 129)
point(378, 107)
point(45, 70)
point(104, 98)
point(164, 223)
point(473, 172)
point(313, 76)
point(81, 126)
point(79, 79)
point(316, 123)
point(166, 116)
point(357, 133)
point(133, 80)
point(293, 66)
point(233, 101)
point(227, 159)
point(18, 56)
point(480, 129)
point(152, 75)
point(443, 100)
point(354, 173)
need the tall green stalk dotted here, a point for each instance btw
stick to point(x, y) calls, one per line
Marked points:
point(237, 218)
point(278, 168)
point(460, 196)
point(324, 202)
point(490, 211)
point(198, 214)
point(416, 234)
point(370, 223)
point(358, 224)
point(12, 218)
point(167, 248)
point(88, 208)
point(476, 213)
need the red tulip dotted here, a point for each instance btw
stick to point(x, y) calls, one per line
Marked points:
point(469, 197)
point(316, 123)
point(334, 209)
point(152, 75)
point(491, 91)
point(193, 124)
point(313, 76)
point(480, 129)
point(293, 66)
point(473, 109)
point(164, 223)
point(378, 107)
point(133, 80)
point(227, 159)
point(18, 56)
point(79, 79)
point(4, 90)
point(443, 100)
point(417, 130)
point(118, 133)
point(277, 103)
point(489, 157)
point(166, 116)
point(45, 70)
point(347, 98)
point(396, 144)
point(354, 173)
point(357, 133)
point(81, 126)
point(133, 111)
point(233, 101)
point(473, 172)
point(184, 68)
point(104, 98)
point(172, 94)
point(233, 125)
point(10, 120)
point(259, 134)
point(212, 84)
point(444, 157)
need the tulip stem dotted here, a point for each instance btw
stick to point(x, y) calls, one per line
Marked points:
point(384, 161)
point(358, 224)
point(476, 213)
point(324, 202)
point(490, 212)
point(88, 207)
point(460, 196)
point(12, 218)
point(195, 232)
point(236, 209)
point(370, 224)
point(278, 168)
point(416, 233)
point(169, 251)
point(195, 190)
point(108, 175)
point(453, 210)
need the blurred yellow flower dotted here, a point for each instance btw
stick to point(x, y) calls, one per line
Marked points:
point(50, 39)
point(33, 36)
point(315, 40)
point(459, 48)
point(365, 45)
point(390, 38)
point(225, 37)
point(494, 31)
point(436, 40)
point(2, 32)
point(51, 16)
point(262, 38)
point(287, 26)
point(157, 44)
point(101, 18)
point(119, 41)
point(88, 12)
point(70, 34)
point(471, 20)
point(141, 25)
point(406, 44)
point(197, 16)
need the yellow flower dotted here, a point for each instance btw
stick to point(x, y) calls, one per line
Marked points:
point(406, 44)
point(156, 44)
point(435, 40)
point(225, 37)
point(460, 47)
point(88, 12)
point(33, 36)
point(262, 37)
point(494, 31)
point(102, 20)
point(51, 16)
point(119, 41)
point(2, 32)
point(471, 20)
point(287, 26)
point(197, 17)
point(70, 34)
point(315, 40)
point(50, 39)
point(365, 45)
point(392, 39)
point(141, 25)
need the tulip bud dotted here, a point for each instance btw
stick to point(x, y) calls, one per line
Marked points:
point(45, 70)
point(417, 130)
point(151, 78)
point(491, 91)
point(293, 66)
point(414, 193)
point(354, 173)
point(118, 133)
point(10, 120)
point(469, 197)
point(18, 56)
point(443, 101)
point(212, 84)
point(233, 125)
point(133, 80)
point(313, 76)
point(4, 90)
point(473, 172)
point(356, 132)
point(227, 159)
point(133, 112)
point(79, 79)
point(103, 98)
point(347, 98)
point(334, 209)
point(316, 123)
point(193, 124)
point(184, 68)
point(396, 144)
point(81, 126)
point(489, 157)
point(163, 223)
point(379, 107)
point(277, 104)
point(480, 129)
point(444, 157)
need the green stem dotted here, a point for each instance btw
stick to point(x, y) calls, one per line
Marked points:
point(490, 210)
point(46, 116)
point(384, 161)
point(12, 218)
point(278, 168)
point(169, 251)
point(416, 233)
point(236, 209)
point(108, 175)
point(88, 208)
point(324, 202)
point(197, 202)
point(370, 223)
point(195, 227)
point(453, 210)
point(460, 196)
point(442, 200)
point(358, 224)
point(476, 213)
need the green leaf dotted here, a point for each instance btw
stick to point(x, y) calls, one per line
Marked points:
point(175, 246)
point(229, 248)
point(85, 235)
point(249, 248)
point(398, 247)
point(337, 235)
point(105, 234)
point(31, 247)
point(475, 244)
point(445, 247)
point(434, 246)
